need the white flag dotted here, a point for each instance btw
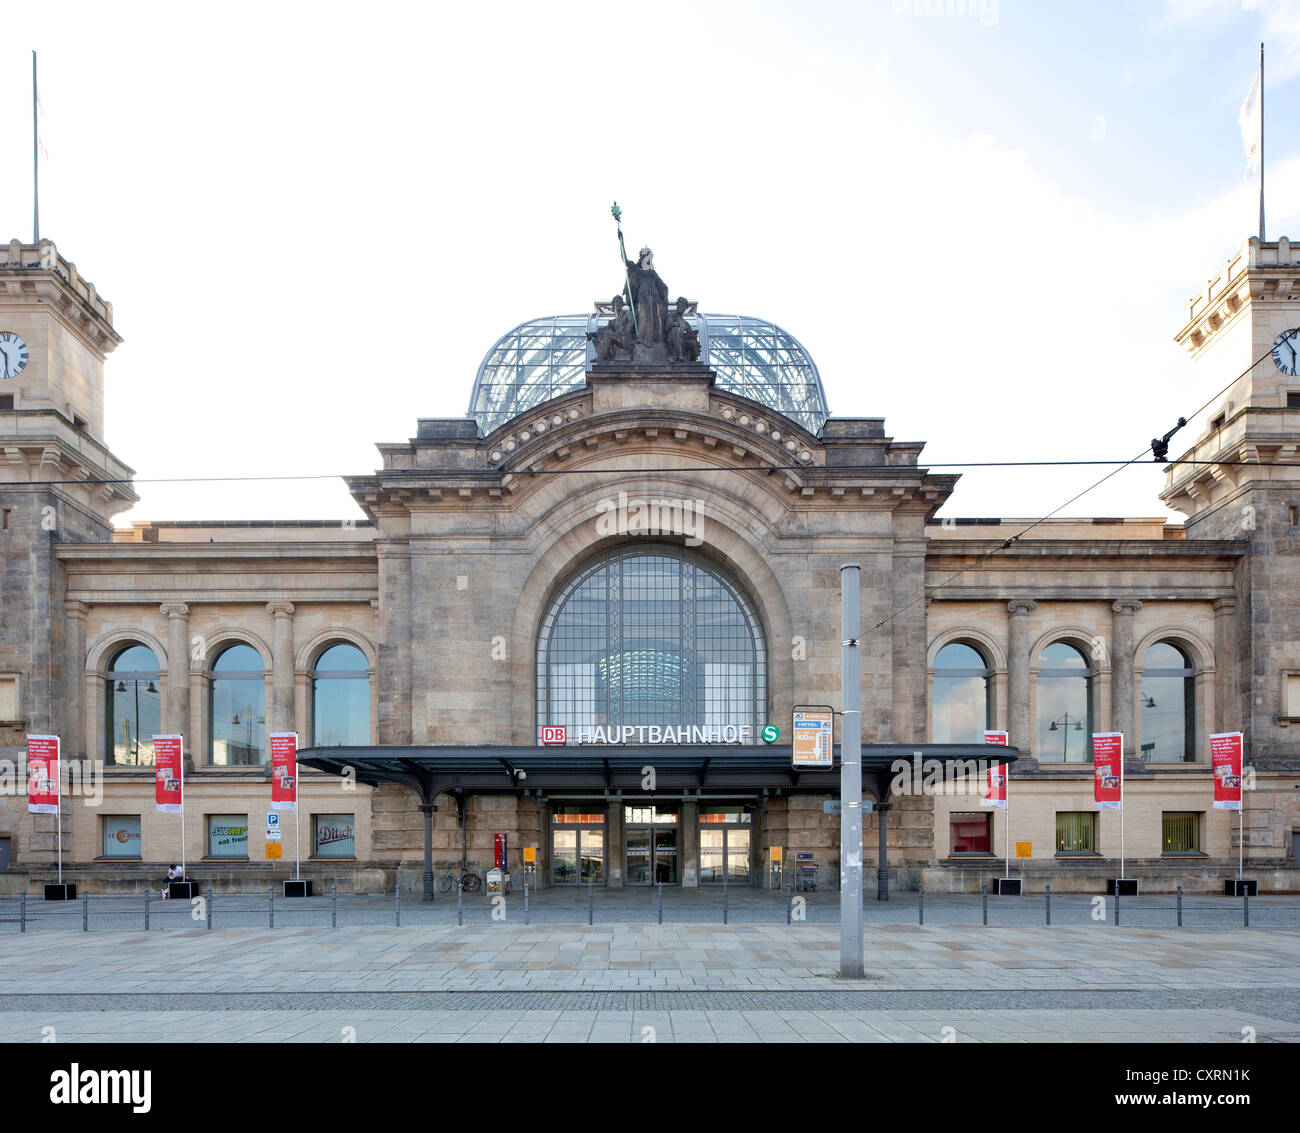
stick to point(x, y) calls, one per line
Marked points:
point(1251, 120)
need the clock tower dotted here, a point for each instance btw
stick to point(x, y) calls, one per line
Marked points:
point(1240, 479)
point(59, 483)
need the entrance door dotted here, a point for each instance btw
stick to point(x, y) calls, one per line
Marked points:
point(636, 853)
point(724, 849)
point(650, 848)
point(564, 857)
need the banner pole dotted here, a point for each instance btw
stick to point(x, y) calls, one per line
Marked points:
point(1121, 807)
point(297, 811)
point(58, 802)
point(1006, 778)
point(181, 770)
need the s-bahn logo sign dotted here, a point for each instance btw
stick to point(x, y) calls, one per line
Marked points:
point(647, 734)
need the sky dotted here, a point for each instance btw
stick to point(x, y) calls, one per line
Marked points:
point(983, 218)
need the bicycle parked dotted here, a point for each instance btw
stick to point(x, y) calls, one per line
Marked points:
point(468, 882)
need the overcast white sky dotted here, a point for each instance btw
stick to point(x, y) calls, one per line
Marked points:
point(981, 217)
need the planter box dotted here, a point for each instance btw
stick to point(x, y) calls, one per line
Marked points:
point(60, 891)
point(1122, 886)
point(1239, 886)
point(297, 888)
point(1006, 886)
point(182, 890)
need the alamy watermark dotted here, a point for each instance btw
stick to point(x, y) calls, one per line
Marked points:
point(630, 515)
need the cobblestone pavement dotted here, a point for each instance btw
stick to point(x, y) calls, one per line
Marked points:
point(755, 982)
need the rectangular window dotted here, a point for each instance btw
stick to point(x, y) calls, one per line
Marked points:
point(121, 835)
point(228, 836)
point(577, 815)
point(1076, 832)
point(1181, 833)
point(970, 833)
point(1291, 695)
point(1293, 399)
point(8, 698)
point(6, 401)
point(333, 836)
point(1218, 422)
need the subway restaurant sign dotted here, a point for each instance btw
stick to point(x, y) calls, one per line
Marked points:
point(648, 734)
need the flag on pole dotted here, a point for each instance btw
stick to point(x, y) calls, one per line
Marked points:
point(1251, 120)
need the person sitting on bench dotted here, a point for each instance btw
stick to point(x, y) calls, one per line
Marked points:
point(175, 873)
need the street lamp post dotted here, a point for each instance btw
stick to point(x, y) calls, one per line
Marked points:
point(1065, 720)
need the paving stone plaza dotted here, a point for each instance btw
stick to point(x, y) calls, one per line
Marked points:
point(558, 979)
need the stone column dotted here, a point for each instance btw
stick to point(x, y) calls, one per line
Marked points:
point(1018, 673)
point(1227, 685)
point(74, 723)
point(282, 667)
point(1123, 692)
point(176, 712)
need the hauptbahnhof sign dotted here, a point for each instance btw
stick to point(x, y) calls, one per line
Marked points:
point(618, 734)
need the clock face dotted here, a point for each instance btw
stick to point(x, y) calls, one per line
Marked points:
point(13, 354)
point(1286, 351)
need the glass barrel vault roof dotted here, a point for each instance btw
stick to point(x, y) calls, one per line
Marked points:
point(548, 357)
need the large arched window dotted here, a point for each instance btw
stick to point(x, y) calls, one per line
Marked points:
point(340, 698)
point(962, 700)
point(133, 707)
point(1064, 705)
point(237, 708)
point(651, 635)
point(1168, 705)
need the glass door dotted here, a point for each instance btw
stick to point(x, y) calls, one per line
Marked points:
point(591, 856)
point(665, 842)
point(737, 854)
point(636, 842)
point(564, 857)
point(713, 845)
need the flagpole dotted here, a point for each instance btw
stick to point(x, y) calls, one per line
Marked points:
point(1261, 143)
point(36, 165)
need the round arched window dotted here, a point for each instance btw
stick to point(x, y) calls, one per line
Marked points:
point(1168, 705)
point(652, 637)
point(962, 701)
point(133, 705)
point(340, 714)
point(1064, 705)
point(237, 708)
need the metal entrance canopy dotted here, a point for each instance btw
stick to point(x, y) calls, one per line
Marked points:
point(433, 770)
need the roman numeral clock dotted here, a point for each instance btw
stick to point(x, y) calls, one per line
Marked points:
point(13, 354)
point(1286, 350)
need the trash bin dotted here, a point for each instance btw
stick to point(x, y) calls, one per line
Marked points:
point(495, 880)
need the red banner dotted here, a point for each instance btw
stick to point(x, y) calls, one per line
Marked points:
point(169, 773)
point(43, 774)
point(1108, 770)
point(1225, 756)
point(284, 770)
point(997, 792)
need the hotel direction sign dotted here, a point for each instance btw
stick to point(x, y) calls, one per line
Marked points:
point(813, 729)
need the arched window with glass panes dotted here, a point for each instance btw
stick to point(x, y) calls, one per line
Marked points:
point(1167, 704)
point(340, 698)
point(962, 692)
point(1064, 705)
point(133, 703)
point(237, 708)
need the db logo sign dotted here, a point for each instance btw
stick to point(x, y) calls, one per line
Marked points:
point(555, 734)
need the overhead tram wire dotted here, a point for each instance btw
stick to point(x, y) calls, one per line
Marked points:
point(713, 468)
point(1159, 458)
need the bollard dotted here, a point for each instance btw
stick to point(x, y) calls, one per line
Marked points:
point(920, 903)
point(397, 902)
point(85, 912)
point(661, 902)
point(334, 906)
point(1048, 891)
point(1245, 907)
point(986, 902)
point(460, 891)
point(1117, 905)
point(525, 899)
point(209, 906)
point(22, 911)
point(591, 902)
point(789, 901)
point(1180, 906)
point(724, 896)
point(270, 905)
point(146, 908)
